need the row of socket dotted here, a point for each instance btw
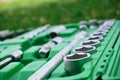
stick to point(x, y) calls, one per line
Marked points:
point(44, 71)
point(93, 23)
point(82, 54)
point(44, 51)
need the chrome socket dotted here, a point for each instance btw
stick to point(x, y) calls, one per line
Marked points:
point(74, 62)
point(83, 22)
point(83, 25)
point(95, 38)
point(85, 49)
point(99, 34)
point(45, 49)
point(102, 30)
point(105, 27)
point(93, 23)
point(95, 43)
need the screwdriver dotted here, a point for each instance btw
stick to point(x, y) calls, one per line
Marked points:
point(15, 56)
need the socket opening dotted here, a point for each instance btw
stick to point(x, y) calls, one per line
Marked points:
point(95, 38)
point(84, 48)
point(99, 34)
point(77, 56)
point(91, 42)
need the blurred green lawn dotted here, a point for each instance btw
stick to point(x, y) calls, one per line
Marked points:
point(34, 13)
point(13, 4)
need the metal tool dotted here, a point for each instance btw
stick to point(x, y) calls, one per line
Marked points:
point(104, 27)
point(102, 30)
point(35, 32)
point(101, 22)
point(45, 49)
point(93, 23)
point(57, 30)
point(95, 43)
point(95, 38)
point(99, 34)
point(4, 33)
point(74, 62)
point(47, 68)
point(107, 24)
point(83, 25)
point(85, 49)
point(15, 56)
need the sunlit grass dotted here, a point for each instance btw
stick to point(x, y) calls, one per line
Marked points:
point(22, 3)
point(33, 13)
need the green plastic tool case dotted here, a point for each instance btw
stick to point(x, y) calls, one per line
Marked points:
point(103, 65)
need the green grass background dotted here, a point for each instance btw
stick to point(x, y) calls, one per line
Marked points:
point(34, 13)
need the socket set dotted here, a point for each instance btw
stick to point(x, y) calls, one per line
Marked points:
point(88, 50)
